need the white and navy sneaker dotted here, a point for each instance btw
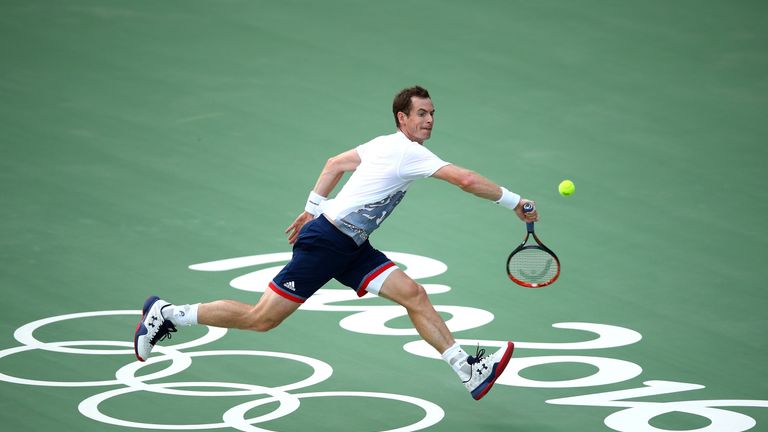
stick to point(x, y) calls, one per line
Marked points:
point(486, 370)
point(152, 327)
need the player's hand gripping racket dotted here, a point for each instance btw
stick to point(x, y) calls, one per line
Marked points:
point(532, 265)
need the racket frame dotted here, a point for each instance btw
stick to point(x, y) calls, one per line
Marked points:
point(538, 245)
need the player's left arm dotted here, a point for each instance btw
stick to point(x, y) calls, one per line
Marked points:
point(478, 185)
point(329, 177)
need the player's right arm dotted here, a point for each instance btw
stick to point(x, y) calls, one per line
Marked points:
point(478, 185)
point(334, 169)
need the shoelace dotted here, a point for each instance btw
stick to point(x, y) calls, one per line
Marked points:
point(471, 360)
point(166, 328)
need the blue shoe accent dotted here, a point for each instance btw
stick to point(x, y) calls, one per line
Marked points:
point(480, 390)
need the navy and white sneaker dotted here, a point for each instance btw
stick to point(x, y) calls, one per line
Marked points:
point(486, 370)
point(152, 327)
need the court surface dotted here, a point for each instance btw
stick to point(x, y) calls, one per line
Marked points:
point(144, 145)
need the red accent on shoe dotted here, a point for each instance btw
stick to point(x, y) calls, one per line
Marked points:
point(135, 346)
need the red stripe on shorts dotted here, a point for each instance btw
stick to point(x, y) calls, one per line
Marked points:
point(362, 291)
point(292, 298)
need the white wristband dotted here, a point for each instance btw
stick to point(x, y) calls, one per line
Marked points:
point(508, 199)
point(313, 203)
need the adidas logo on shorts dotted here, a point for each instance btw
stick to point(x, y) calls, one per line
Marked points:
point(290, 285)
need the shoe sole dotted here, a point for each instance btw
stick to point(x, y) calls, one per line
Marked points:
point(141, 329)
point(498, 369)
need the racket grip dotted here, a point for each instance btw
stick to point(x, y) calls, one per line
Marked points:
point(527, 208)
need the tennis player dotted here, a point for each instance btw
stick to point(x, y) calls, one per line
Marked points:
point(331, 241)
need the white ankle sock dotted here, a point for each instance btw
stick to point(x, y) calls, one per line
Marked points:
point(457, 358)
point(184, 315)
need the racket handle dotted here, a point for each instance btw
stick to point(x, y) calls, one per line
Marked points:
point(527, 208)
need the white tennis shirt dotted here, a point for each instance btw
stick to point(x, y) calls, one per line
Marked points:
point(389, 164)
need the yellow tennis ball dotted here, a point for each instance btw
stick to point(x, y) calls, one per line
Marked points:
point(566, 188)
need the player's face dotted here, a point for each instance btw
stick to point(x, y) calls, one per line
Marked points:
point(417, 125)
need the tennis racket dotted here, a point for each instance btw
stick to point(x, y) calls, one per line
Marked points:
point(532, 265)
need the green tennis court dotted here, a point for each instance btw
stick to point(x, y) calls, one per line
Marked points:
point(162, 147)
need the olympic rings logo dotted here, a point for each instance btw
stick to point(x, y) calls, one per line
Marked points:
point(632, 416)
point(179, 358)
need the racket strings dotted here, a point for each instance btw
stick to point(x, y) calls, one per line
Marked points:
point(533, 265)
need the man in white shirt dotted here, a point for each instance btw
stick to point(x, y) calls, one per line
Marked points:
point(330, 241)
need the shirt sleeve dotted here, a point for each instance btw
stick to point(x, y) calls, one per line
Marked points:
point(419, 162)
point(363, 148)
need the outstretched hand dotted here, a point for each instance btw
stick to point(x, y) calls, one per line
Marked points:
point(532, 216)
point(294, 228)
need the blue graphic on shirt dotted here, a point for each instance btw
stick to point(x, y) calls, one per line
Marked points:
point(361, 223)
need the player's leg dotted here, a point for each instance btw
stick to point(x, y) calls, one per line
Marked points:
point(311, 266)
point(371, 271)
point(267, 314)
point(478, 372)
point(403, 290)
point(159, 318)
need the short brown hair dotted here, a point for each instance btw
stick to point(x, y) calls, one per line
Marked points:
point(402, 102)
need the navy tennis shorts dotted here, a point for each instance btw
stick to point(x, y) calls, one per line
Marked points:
point(322, 253)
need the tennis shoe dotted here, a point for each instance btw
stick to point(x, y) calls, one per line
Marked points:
point(152, 327)
point(486, 370)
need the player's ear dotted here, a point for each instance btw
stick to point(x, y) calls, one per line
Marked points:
point(401, 117)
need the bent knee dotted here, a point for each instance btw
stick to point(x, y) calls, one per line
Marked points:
point(263, 326)
point(414, 296)
point(405, 291)
point(260, 323)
